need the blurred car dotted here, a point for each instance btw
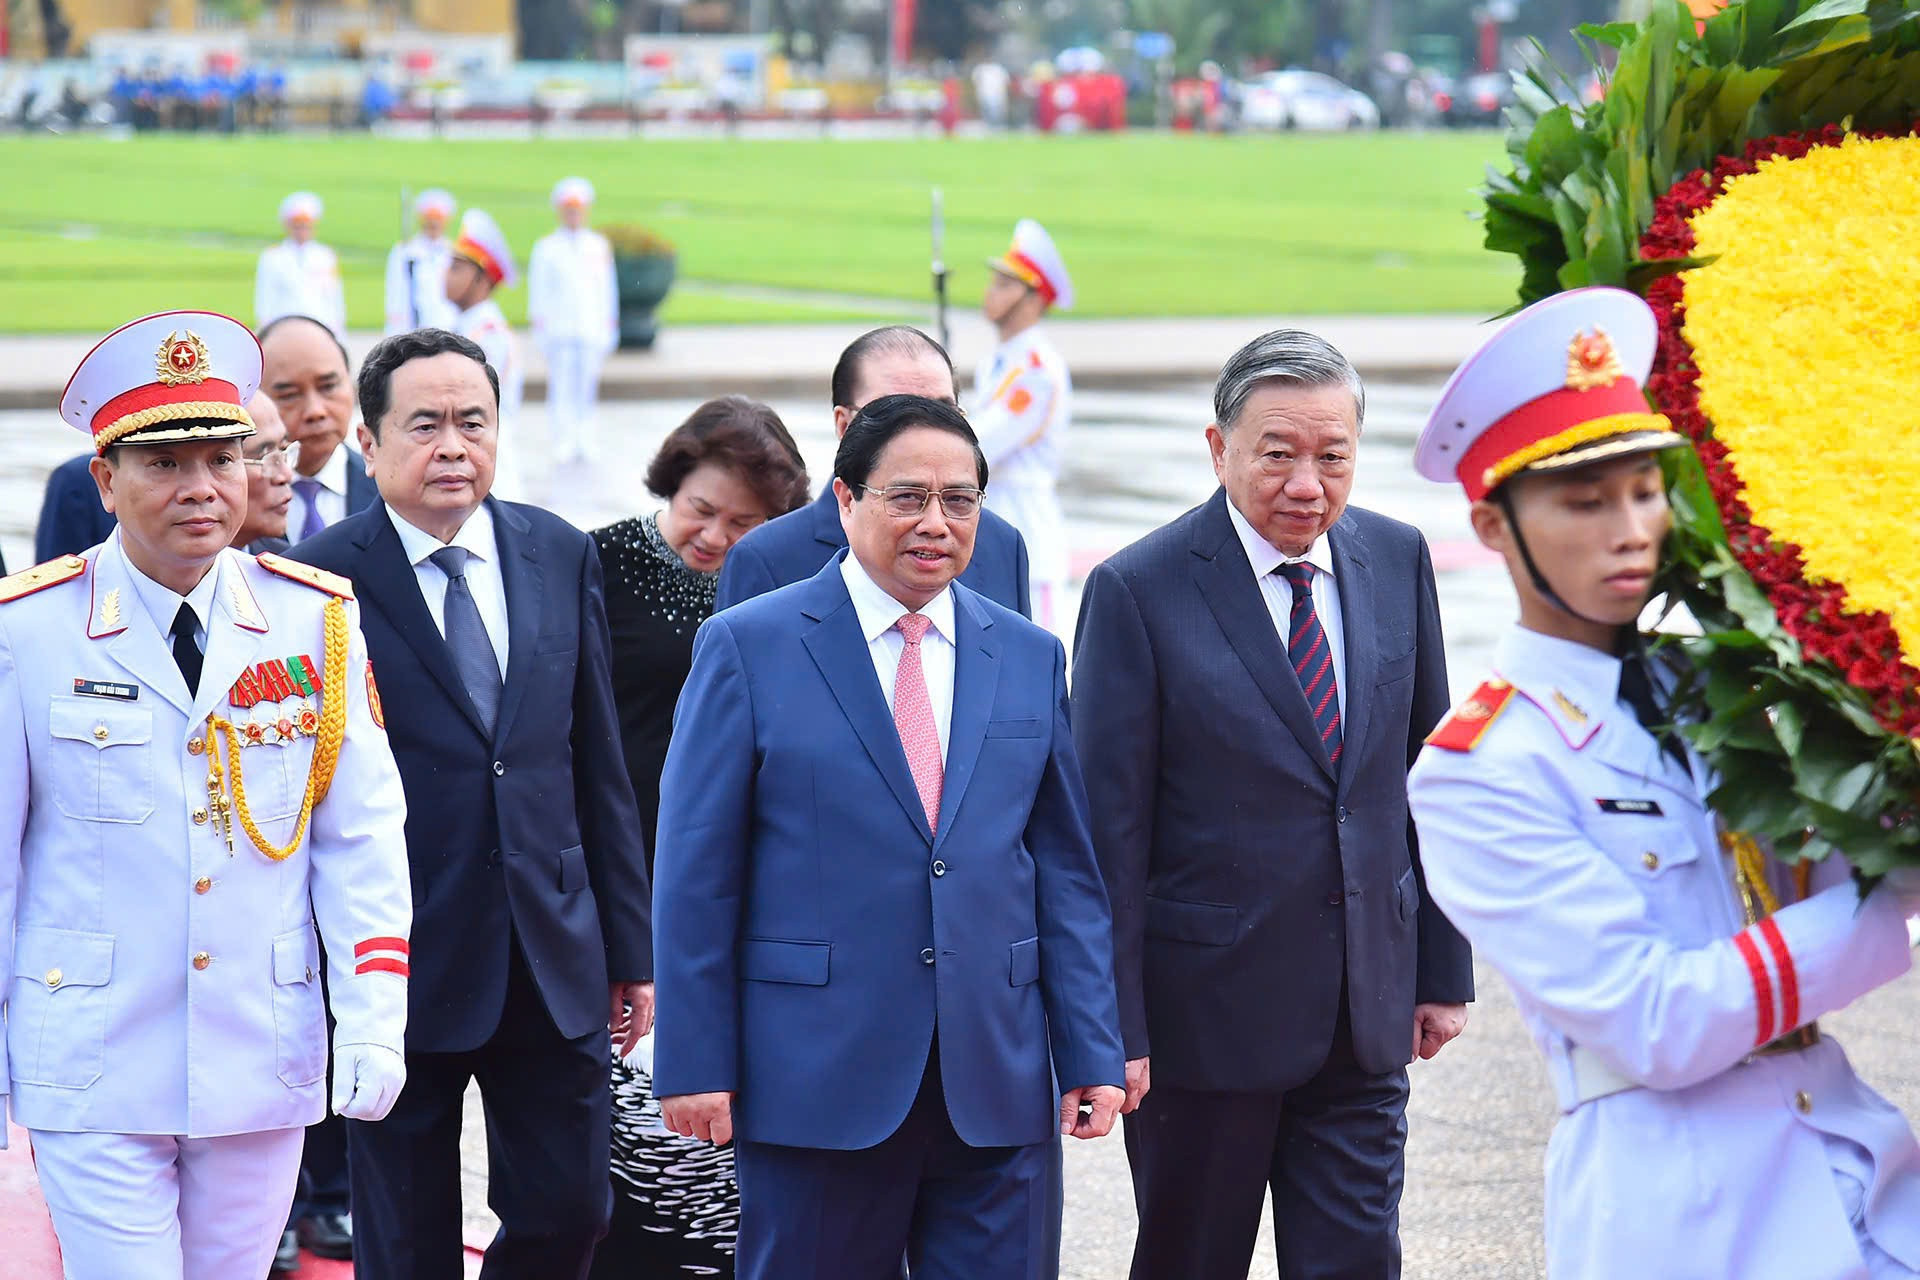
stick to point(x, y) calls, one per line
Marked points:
point(1304, 100)
point(1479, 100)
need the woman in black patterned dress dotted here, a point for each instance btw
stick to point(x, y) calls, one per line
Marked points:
point(729, 467)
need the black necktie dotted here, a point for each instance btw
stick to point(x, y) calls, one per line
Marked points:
point(186, 651)
point(1636, 690)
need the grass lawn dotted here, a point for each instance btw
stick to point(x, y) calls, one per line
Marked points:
point(94, 231)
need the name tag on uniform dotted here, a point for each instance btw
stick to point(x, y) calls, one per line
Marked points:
point(1645, 808)
point(106, 689)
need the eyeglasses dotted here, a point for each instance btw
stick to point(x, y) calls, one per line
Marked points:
point(272, 459)
point(906, 500)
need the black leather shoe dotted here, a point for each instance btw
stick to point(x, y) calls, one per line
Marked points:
point(286, 1258)
point(327, 1235)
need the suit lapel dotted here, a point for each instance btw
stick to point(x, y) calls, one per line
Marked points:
point(386, 582)
point(1226, 583)
point(119, 621)
point(1354, 581)
point(976, 677)
point(520, 570)
point(235, 636)
point(839, 650)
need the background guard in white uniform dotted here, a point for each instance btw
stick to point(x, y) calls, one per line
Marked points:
point(167, 872)
point(1709, 1130)
point(573, 304)
point(417, 268)
point(300, 276)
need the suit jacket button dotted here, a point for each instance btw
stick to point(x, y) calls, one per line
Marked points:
point(499, 769)
point(1334, 899)
point(201, 960)
point(1342, 816)
point(926, 956)
point(939, 868)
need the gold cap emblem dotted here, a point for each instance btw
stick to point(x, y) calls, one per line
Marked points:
point(1592, 362)
point(182, 359)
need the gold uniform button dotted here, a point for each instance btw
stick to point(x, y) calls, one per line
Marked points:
point(203, 885)
point(1803, 1102)
point(201, 960)
point(100, 732)
point(1650, 860)
point(196, 746)
point(55, 978)
point(199, 817)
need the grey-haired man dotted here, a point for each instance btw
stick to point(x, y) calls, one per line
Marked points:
point(1251, 684)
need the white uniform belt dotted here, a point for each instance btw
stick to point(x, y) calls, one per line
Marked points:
point(1591, 1078)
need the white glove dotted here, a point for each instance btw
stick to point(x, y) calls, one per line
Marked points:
point(367, 1079)
point(1904, 884)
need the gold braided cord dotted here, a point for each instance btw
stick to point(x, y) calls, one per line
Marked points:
point(326, 748)
point(186, 411)
point(1614, 424)
point(1750, 874)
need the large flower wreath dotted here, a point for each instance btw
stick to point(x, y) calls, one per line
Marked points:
point(1756, 175)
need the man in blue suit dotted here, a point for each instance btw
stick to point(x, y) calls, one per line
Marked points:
point(305, 369)
point(1251, 685)
point(531, 939)
point(882, 932)
point(896, 360)
point(71, 517)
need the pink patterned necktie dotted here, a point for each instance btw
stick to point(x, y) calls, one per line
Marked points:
point(913, 718)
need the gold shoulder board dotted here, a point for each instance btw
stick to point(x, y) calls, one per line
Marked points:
point(40, 577)
point(319, 579)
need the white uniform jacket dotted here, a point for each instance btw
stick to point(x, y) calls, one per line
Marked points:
point(1583, 864)
point(571, 293)
point(417, 285)
point(159, 982)
point(487, 325)
point(300, 280)
point(1022, 407)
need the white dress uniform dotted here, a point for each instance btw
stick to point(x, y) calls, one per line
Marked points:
point(573, 304)
point(295, 279)
point(1707, 1132)
point(1022, 407)
point(166, 1039)
point(417, 271)
point(482, 243)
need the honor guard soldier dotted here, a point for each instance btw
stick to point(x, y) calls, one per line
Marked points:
point(1023, 404)
point(196, 793)
point(300, 276)
point(417, 268)
point(1708, 1129)
point(483, 262)
point(573, 304)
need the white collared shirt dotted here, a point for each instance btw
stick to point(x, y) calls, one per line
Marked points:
point(1278, 593)
point(163, 603)
point(878, 612)
point(332, 498)
point(484, 579)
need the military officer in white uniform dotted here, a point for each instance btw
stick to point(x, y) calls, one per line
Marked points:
point(1709, 1130)
point(573, 305)
point(417, 268)
point(483, 263)
point(195, 793)
point(1023, 405)
point(300, 276)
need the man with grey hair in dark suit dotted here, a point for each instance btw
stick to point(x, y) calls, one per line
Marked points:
point(1251, 684)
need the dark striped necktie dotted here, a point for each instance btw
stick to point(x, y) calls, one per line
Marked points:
point(1312, 658)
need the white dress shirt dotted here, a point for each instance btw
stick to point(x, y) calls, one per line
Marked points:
point(878, 612)
point(1278, 593)
point(332, 498)
point(163, 603)
point(488, 588)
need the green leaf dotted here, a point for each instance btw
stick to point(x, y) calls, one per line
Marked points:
point(1826, 11)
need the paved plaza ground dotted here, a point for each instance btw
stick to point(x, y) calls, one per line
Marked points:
point(1481, 1112)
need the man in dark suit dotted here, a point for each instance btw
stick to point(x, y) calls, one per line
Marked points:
point(305, 372)
point(531, 938)
point(71, 517)
point(305, 369)
point(896, 360)
point(882, 929)
point(1251, 684)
